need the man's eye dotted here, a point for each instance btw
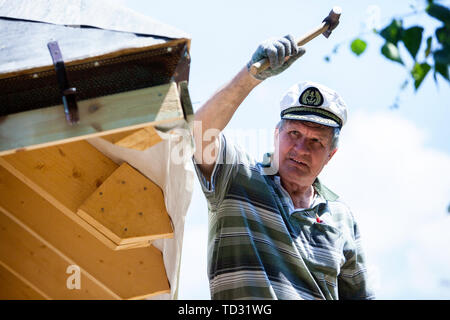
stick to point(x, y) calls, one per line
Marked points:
point(294, 132)
point(317, 142)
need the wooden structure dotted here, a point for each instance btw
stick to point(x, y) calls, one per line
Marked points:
point(65, 208)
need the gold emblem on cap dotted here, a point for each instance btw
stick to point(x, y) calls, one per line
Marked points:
point(311, 97)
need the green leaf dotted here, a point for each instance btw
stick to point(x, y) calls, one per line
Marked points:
point(393, 32)
point(442, 69)
point(412, 38)
point(428, 49)
point(443, 35)
point(419, 71)
point(390, 51)
point(439, 12)
point(358, 46)
point(442, 56)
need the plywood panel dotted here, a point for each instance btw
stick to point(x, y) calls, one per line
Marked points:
point(65, 175)
point(115, 137)
point(131, 274)
point(100, 116)
point(68, 173)
point(128, 208)
point(39, 263)
point(13, 286)
point(140, 140)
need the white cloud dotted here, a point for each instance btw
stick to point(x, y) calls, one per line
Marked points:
point(429, 260)
point(193, 283)
point(398, 188)
point(193, 273)
point(119, 2)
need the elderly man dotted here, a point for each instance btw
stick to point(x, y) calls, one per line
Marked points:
point(275, 231)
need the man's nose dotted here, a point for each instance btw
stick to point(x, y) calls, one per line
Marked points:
point(301, 146)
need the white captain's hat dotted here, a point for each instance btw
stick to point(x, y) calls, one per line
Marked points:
point(310, 101)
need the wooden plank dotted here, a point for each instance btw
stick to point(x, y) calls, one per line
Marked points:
point(15, 287)
point(65, 175)
point(131, 274)
point(100, 116)
point(38, 262)
point(115, 137)
point(128, 208)
point(141, 139)
point(69, 172)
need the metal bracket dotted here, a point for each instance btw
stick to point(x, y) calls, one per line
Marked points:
point(186, 103)
point(68, 93)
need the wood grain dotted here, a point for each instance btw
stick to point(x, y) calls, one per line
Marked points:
point(128, 208)
point(131, 274)
point(66, 175)
point(141, 139)
point(15, 287)
point(106, 115)
point(39, 263)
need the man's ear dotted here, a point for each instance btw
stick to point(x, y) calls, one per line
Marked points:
point(276, 135)
point(331, 154)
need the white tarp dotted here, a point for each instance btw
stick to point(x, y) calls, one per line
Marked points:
point(95, 13)
point(169, 165)
point(26, 26)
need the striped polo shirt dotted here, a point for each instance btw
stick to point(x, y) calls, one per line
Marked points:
point(260, 247)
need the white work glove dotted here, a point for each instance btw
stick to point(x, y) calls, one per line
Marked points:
point(276, 50)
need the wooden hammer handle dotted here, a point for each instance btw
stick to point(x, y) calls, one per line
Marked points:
point(263, 64)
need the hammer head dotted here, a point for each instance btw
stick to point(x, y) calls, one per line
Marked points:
point(332, 20)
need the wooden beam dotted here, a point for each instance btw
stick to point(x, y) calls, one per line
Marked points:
point(65, 175)
point(131, 274)
point(39, 263)
point(115, 137)
point(141, 139)
point(100, 116)
point(15, 287)
point(128, 208)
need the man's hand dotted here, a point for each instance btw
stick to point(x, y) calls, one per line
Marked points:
point(276, 50)
point(217, 111)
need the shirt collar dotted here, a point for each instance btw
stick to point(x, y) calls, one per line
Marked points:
point(326, 193)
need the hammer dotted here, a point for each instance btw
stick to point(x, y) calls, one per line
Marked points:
point(326, 27)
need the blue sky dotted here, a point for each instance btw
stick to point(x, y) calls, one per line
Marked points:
point(393, 164)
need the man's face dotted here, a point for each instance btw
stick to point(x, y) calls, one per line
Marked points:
point(304, 148)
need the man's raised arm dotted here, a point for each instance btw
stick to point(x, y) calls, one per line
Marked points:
point(215, 114)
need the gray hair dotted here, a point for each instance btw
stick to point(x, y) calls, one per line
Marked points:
point(334, 139)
